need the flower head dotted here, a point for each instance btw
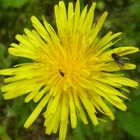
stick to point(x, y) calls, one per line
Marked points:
point(73, 70)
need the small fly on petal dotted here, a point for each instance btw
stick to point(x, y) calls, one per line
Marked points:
point(118, 59)
point(62, 74)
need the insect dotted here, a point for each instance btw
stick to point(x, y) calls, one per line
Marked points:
point(118, 59)
point(62, 74)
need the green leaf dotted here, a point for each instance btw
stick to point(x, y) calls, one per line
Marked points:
point(135, 9)
point(2, 130)
point(3, 133)
point(78, 134)
point(134, 105)
point(14, 3)
point(130, 122)
point(100, 5)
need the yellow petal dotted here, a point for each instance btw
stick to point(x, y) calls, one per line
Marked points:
point(32, 94)
point(77, 15)
point(103, 106)
point(10, 71)
point(82, 18)
point(36, 111)
point(73, 115)
point(64, 118)
point(40, 29)
point(89, 20)
point(79, 108)
point(99, 25)
point(70, 17)
point(89, 108)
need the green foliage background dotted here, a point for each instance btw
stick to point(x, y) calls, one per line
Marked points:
point(124, 15)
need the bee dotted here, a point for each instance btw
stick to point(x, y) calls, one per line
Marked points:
point(62, 74)
point(118, 59)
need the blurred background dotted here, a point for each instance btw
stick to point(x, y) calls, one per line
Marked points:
point(124, 16)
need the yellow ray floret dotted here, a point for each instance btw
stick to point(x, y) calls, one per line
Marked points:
point(72, 73)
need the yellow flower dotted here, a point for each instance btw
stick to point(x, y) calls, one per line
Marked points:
point(73, 70)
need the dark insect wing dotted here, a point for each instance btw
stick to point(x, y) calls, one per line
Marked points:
point(121, 62)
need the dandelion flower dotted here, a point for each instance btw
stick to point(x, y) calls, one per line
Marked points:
point(72, 70)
